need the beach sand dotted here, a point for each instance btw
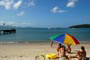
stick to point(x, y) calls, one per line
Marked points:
point(28, 51)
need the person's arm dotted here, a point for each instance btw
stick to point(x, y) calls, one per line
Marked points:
point(59, 52)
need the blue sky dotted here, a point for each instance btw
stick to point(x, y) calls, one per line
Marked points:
point(44, 13)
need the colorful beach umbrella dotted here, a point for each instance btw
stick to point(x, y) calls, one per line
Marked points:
point(65, 39)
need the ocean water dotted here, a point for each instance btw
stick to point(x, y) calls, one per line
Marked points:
point(42, 35)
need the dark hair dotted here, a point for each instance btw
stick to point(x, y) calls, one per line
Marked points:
point(63, 47)
point(60, 44)
point(69, 45)
point(82, 47)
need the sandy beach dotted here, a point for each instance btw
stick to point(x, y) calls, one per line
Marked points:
point(28, 51)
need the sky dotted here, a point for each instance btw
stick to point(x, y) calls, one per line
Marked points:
point(44, 13)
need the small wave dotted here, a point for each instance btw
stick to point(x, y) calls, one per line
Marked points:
point(8, 42)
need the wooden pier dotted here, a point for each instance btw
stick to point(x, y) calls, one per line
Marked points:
point(9, 31)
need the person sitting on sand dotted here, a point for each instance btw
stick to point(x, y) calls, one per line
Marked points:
point(58, 48)
point(68, 49)
point(81, 55)
point(62, 53)
point(58, 45)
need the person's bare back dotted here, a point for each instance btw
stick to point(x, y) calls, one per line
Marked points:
point(81, 55)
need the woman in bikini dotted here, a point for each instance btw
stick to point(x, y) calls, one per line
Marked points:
point(81, 55)
point(68, 49)
point(62, 53)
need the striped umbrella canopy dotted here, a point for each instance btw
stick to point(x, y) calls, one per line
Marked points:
point(65, 39)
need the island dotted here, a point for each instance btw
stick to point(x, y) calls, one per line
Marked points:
point(81, 26)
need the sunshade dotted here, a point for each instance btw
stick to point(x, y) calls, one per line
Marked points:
point(65, 39)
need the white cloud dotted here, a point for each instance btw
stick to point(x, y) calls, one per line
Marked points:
point(21, 13)
point(10, 23)
point(24, 24)
point(12, 4)
point(56, 9)
point(31, 3)
point(71, 3)
point(9, 4)
point(6, 3)
point(17, 4)
point(17, 24)
point(7, 23)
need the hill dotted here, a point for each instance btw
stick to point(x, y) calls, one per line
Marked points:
point(81, 26)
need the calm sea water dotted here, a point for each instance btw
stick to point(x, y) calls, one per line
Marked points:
point(42, 35)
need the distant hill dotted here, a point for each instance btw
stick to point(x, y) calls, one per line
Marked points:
point(81, 26)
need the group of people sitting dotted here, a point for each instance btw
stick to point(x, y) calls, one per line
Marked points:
point(64, 51)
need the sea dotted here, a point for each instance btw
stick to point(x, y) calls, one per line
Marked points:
point(43, 34)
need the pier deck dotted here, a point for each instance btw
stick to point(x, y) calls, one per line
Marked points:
point(9, 31)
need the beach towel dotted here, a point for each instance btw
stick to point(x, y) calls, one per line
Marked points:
point(51, 56)
point(62, 58)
